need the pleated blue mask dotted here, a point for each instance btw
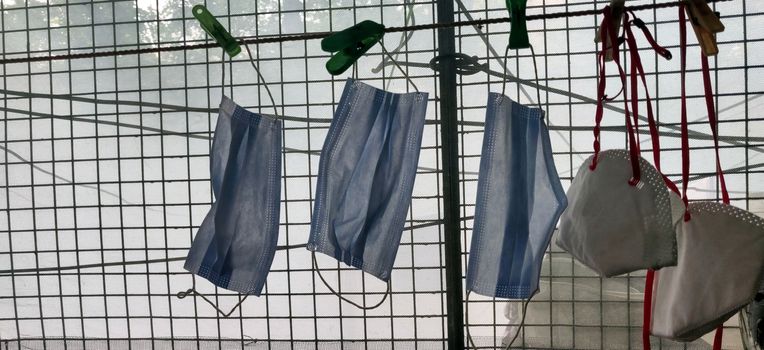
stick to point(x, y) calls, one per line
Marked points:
point(366, 177)
point(519, 200)
point(236, 242)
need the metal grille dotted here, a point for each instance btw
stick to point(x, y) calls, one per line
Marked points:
point(576, 308)
point(106, 172)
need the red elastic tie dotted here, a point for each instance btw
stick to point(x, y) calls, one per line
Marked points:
point(637, 71)
point(633, 143)
point(607, 12)
point(685, 132)
point(718, 338)
point(712, 120)
point(647, 309)
point(664, 52)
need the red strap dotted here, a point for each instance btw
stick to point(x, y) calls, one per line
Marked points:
point(685, 133)
point(649, 280)
point(600, 86)
point(658, 49)
point(634, 155)
point(647, 311)
point(637, 71)
point(633, 142)
point(712, 120)
point(609, 41)
point(634, 82)
point(718, 338)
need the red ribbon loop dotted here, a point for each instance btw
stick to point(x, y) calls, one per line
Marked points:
point(713, 122)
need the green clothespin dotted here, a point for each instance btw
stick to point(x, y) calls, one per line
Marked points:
point(518, 36)
point(350, 44)
point(216, 30)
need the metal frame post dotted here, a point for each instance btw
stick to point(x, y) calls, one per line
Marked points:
point(450, 155)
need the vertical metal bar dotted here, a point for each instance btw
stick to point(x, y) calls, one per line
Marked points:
point(7, 178)
point(449, 151)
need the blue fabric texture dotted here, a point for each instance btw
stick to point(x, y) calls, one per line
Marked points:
point(519, 200)
point(236, 242)
point(366, 177)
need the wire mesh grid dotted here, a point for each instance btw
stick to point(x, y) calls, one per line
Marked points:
point(107, 173)
point(575, 308)
point(92, 182)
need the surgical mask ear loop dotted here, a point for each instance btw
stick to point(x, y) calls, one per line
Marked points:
point(467, 327)
point(193, 291)
point(535, 71)
point(222, 77)
point(262, 79)
point(384, 50)
point(326, 284)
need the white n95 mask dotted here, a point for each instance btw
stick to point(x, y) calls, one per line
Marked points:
point(721, 249)
point(621, 215)
point(613, 227)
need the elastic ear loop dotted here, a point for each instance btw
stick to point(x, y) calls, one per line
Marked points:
point(190, 291)
point(193, 291)
point(384, 50)
point(326, 284)
point(514, 338)
point(222, 77)
point(262, 79)
point(408, 78)
point(259, 77)
point(535, 70)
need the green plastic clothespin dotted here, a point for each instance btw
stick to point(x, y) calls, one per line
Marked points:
point(216, 30)
point(518, 36)
point(350, 44)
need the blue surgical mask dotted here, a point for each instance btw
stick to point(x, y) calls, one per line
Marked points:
point(366, 177)
point(519, 200)
point(236, 242)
